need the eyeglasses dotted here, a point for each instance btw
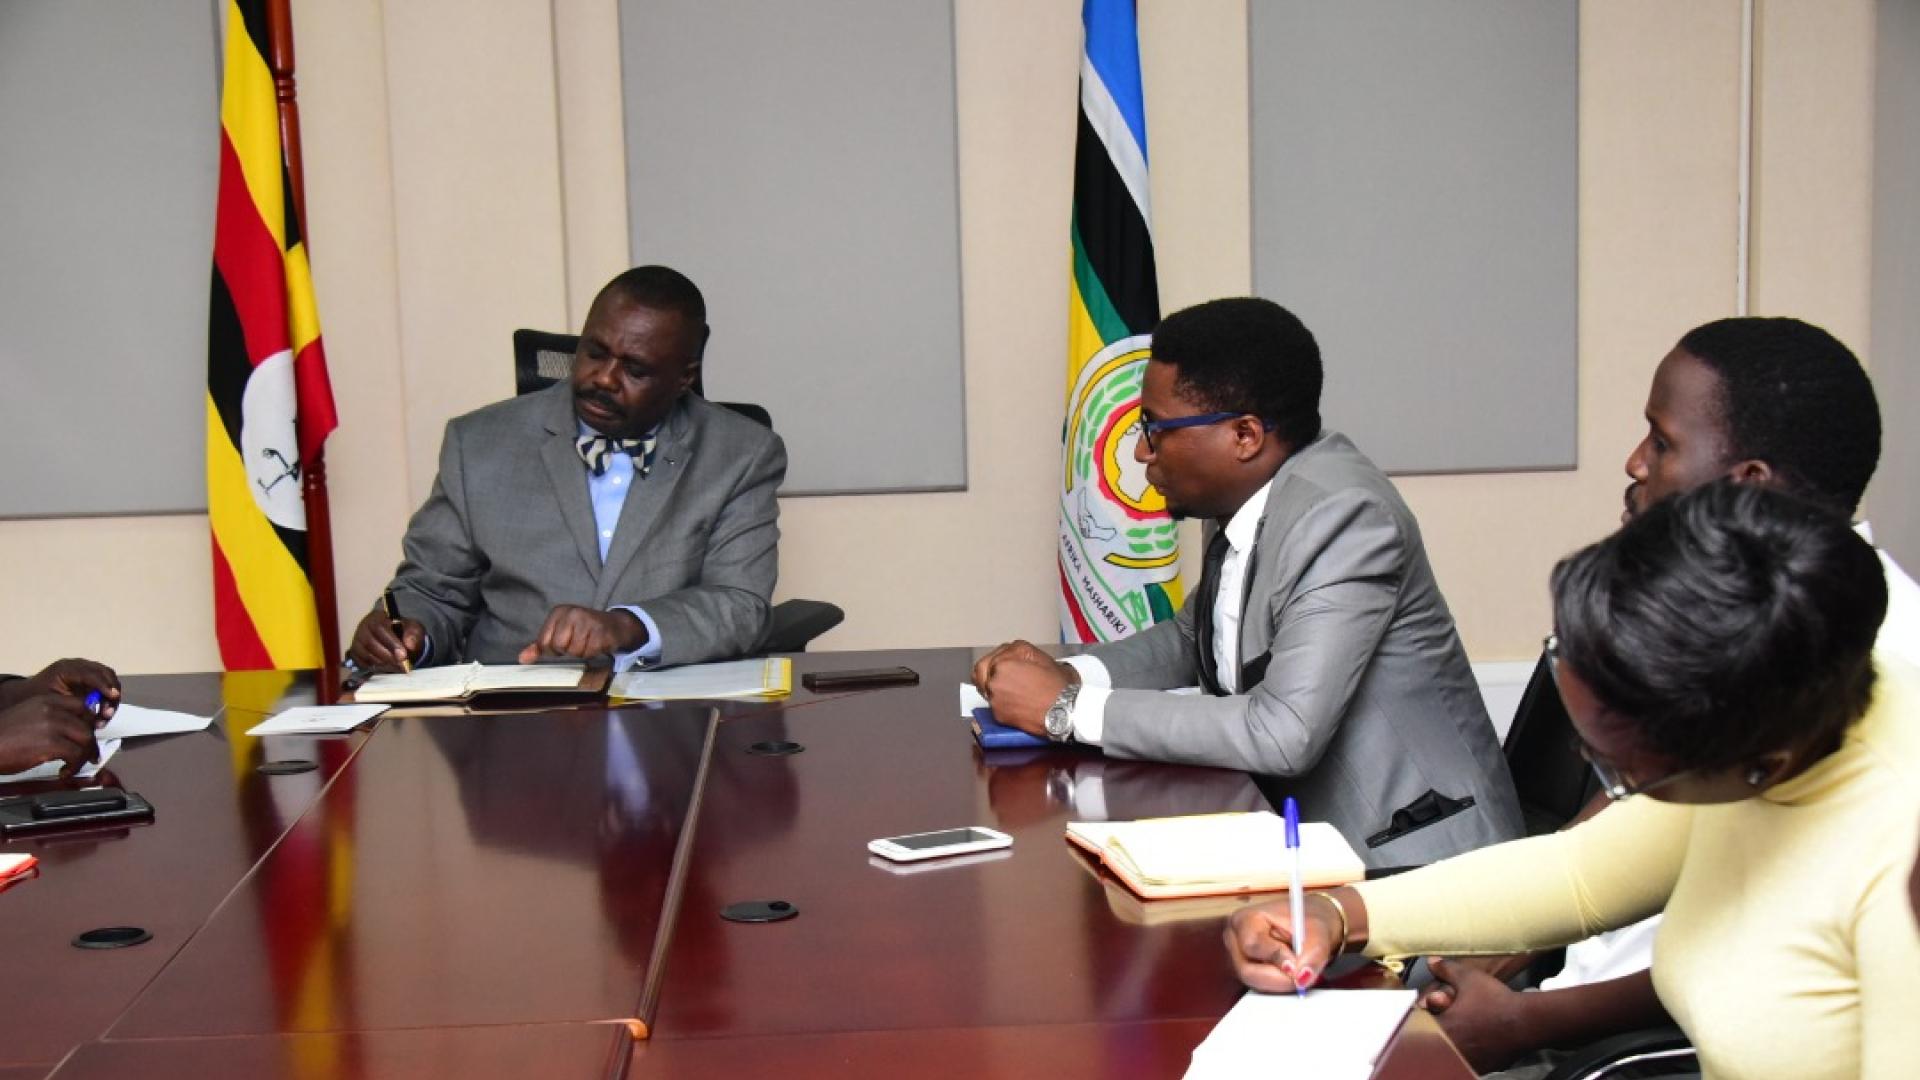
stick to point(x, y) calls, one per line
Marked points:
point(1613, 781)
point(1150, 428)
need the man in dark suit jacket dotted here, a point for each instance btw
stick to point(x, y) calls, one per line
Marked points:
point(1333, 669)
point(615, 514)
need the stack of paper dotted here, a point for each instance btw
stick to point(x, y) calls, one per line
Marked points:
point(1209, 854)
point(458, 682)
point(1328, 1035)
point(769, 677)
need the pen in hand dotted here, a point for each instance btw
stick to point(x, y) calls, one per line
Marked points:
point(1297, 898)
point(393, 618)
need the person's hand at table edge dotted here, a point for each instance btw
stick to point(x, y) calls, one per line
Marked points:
point(46, 727)
point(1021, 682)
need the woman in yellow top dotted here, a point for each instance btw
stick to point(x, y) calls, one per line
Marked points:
point(1715, 656)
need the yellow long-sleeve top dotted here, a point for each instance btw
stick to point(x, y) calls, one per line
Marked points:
point(1789, 948)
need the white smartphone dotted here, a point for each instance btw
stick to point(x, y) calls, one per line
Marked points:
point(934, 845)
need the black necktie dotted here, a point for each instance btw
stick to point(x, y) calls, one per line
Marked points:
point(1203, 606)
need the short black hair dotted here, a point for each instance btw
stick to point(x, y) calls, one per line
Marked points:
point(1246, 355)
point(1794, 397)
point(1727, 623)
point(661, 288)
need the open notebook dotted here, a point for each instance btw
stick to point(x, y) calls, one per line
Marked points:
point(1214, 854)
point(464, 682)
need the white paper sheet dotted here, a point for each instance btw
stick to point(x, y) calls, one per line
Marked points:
point(770, 677)
point(50, 770)
point(317, 720)
point(133, 721)
point(1328, 1035)
point(970, 699)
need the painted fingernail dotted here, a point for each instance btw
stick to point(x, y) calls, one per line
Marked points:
point(1307, 977)
point(1288, 968)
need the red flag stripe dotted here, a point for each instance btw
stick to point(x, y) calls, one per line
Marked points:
point(314, 392)
point(1073, 607)
point(250, 262)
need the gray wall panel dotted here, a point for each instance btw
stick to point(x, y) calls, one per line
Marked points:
point(109, 115)
point(1415, 202)
point(1893, 501)
point(798, 161)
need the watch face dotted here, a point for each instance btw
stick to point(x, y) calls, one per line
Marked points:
point(1059, 722)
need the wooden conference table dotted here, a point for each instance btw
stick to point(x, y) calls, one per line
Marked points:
point(541, 894)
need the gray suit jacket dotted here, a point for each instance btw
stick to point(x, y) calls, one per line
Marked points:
point(1366, 702)
point(508, 532)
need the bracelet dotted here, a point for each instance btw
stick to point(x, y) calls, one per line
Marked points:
point(1339, 943)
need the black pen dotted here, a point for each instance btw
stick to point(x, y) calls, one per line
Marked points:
point(393, 618)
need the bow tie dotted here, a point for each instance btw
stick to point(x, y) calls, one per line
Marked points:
point(597, 450)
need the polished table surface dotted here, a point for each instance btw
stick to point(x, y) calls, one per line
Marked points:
point(215, 817)
point(478, 893)
point(1023, 937)
point(467, 1053)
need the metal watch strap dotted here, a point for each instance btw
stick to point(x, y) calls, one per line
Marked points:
point(1060, 713)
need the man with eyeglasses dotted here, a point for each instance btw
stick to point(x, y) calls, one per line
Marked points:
point(1330, 663)
point(1769, 401)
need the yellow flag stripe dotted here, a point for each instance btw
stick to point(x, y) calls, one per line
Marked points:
point(252, 119)
point(303, 316)
point(278, 597)
point(1083, 339)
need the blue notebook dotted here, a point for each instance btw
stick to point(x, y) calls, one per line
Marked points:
point(991, 734)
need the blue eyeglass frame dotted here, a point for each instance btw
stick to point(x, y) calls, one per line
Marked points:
point(1150, 428)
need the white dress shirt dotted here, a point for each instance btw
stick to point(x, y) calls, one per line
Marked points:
point(608, 494)
point(1096, 683)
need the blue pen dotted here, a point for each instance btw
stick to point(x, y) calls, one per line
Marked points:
point(94, 701)
point(1296, 896)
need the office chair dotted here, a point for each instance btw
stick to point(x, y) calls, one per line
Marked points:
point(1653, 1054)
point(541, 359)
point(1551, 778)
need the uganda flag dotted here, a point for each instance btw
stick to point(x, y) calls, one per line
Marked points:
point(1119, 555)
point(269, 406)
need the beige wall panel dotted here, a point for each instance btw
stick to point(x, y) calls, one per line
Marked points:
point(343, 106)
point(135, 592)
point(476, 184)
point(1812, 244)
point(593, 163)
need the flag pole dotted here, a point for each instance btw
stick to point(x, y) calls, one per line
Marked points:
point(313, 475)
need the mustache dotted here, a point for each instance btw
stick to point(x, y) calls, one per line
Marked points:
point(598, 397)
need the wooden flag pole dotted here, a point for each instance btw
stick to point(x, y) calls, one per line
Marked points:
point(314, 474)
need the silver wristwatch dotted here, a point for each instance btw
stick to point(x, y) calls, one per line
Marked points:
point(1060, 713)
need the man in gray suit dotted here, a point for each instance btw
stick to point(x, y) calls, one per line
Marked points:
point(1332, 668)
point(615, 514)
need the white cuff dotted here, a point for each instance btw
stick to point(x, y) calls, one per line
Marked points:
point(1090, 713)
point(649, 651)
point(1092, 671)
